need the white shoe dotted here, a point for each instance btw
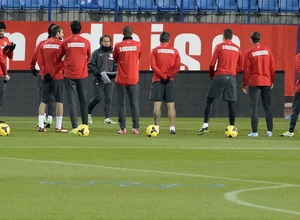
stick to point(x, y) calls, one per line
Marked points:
point(90, 120)
point(253, 134)
point(109, 121)
point(269, 134)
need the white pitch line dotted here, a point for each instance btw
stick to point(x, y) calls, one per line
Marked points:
point(148, 171)
point(233, 197)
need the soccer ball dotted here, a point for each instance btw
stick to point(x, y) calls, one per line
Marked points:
point(4, 129)
point(231, 131)
point(152, 131)
point(83, 130)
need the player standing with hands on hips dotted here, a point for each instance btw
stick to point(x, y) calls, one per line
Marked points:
point(104, 68)
point(228, 57)
point(127, 54)
point(259, 77)
point(165, 63)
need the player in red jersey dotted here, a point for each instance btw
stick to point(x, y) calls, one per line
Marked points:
point(39, 74)
point(77, 51)
point(228, 58)
point(127, 54)
point(7, 49)
point(259, 77)
point(165, 63)
point(296, 103)
point(49, 61)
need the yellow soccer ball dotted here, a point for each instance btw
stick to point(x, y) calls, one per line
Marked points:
point(4, 129)
point(83, 130)
point(152, 131)
point(231, 131)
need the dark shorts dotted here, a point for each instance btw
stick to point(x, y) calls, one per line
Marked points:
point(55, 86)
point(162, 92)
point(223, 87)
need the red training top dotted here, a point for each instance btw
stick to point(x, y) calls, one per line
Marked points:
point(259, 67)
point(8, 54)
point(34, 58)
point(229, 58)
point(297, 87)
point(127, 54)
point(165, 61)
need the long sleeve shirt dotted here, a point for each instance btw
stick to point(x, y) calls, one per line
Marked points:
point(259, 67)
point(7, 54)
point(34, 58)
point(165, 62)
point(127, 54)
point(229, 58)
point(297, 86)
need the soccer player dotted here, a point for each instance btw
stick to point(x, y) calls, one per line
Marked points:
point(100, 63)
point(165, 63)
point(127, 54)
point(259, 76)
point(7, 49)
point(53, 80)
point(39, 75)
point(77, 51)
point(227, 57)
point(296, 103)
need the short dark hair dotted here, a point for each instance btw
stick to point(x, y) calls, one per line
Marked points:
point(49, 29)
point(127, 31)
point(55, 29)
point(104, 36)
point(75, 27)
point(164, 37)
point(2, 25)
point(255, 37)
point(227, 34)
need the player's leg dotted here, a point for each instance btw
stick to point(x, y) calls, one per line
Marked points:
point(133, 94)
point(58, 88)
point(157, 112)
point(83, 103)
point(231, 110)
point(121, 91)
point(50, 107)
point(254, 94)
point(42, 106)
point(266, 100)
point(95, 100)
point(169, 97)
point(108, 93)
point(70, 86)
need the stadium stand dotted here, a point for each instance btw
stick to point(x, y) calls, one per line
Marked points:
point(128, 5)
point(69, 4)
point(108, 5)
point(11, 4)
point(187, 5)
point(147, 5)
point(206, 5)
point(243, 5)
point(268, 5)
point(30, 4)
point(167, 5)
point(89, 4)
point(288, 6)
point(226, 5)
point(53, 4)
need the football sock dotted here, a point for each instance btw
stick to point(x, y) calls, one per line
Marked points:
point(49, 121)
point(41, 121)
point(58, 122)
point(205, 125)
point(172, 128)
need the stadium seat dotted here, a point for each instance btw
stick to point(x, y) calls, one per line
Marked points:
point(30, 4)
point(243, 5)
point(206, 5)
point(128, 5)
point(289, 5)
point(11, 4)
point(226, 5)
point(69, 4)
point(108, 5)
point(268, 5)
point(167, 5)
point(187, 5)
point(52, 3)
point(147, 5)
point(89, 4)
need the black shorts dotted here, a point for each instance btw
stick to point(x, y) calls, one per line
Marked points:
point(223, 87)
point(162, 92)
point(55, 86)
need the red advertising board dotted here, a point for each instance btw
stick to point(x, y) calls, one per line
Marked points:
point(194, 41)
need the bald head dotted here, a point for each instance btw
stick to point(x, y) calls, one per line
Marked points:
point(127, 31)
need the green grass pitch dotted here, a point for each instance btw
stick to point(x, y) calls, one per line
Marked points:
point(182, 176)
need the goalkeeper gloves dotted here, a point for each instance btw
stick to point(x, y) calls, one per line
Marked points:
point(47, 77)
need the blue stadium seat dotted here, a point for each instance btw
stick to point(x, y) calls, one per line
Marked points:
point(53, 3)
point(69, 4)
point(89, 4)
point(268, 5)
point(147, 5)
point(11, 4)
point(289, 5)
point(167, 5)
point(206, 5)
point(108, 5)
point(226, 5)
point(187, 5)
point(128, 5)
point(243, 5)
point(30, 4)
